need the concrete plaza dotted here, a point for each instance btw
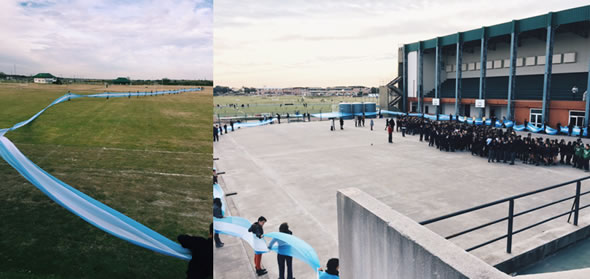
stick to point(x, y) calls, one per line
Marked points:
point(291, 173)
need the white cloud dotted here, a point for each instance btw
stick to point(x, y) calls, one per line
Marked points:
point(329, 42)
point(106, 39)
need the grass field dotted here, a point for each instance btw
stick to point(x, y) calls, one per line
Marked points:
point(149, 158)
point(278, 104)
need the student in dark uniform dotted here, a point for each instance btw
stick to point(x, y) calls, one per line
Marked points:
point(201, 264)
point(217, 213)
point(569, 152)
point(421, 130)
point(215, 133)
point(390, 133)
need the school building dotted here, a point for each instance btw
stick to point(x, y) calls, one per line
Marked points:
point(531, 69)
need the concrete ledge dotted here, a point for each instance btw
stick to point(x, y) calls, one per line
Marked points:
point(537, 254)
point(376, 241)
point(570, 274)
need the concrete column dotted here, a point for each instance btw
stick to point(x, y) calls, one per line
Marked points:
point(548, 67)
point(405, 81)
point(512, 73)
point(458, 72)
point(437, 64)
point(420, 92)
point(482, 69)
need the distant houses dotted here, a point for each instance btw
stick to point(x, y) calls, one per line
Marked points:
point(44, 78)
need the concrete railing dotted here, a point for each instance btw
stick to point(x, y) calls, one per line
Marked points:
point(376, 241)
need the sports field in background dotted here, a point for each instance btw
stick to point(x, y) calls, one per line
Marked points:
point(279, 104)
point(148, 157)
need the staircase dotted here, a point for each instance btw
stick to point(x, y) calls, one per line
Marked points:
point(395, 94)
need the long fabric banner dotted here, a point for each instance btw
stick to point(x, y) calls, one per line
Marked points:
point(238, 227)
point(87, 208)
point(218, 193)
point(291, 245)
point(331, 115)
point(105, 95)
point(295, 248)
point(254, 124)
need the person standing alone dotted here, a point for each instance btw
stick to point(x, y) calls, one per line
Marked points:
point(390, 132)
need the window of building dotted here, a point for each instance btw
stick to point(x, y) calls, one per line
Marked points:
point(557, 58)
point(497, 64)
point(569, 57)
point(536, 117)
point(530, 61)
point(576, 117)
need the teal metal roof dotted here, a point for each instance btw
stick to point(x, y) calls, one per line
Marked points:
point(44, 75)
point(537, 22)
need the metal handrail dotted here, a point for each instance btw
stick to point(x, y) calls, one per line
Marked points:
point(510, 218)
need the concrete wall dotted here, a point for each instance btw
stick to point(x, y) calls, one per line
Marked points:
point(376, 241)
point(383, 97)
point(429, 71)
point(412, 73)
point(564, 43)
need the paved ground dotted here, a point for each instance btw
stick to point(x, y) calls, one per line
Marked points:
point(234, 259)
point(291, 173)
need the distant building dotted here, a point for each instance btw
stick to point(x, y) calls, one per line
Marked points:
point(44, 78)
point(122, 80)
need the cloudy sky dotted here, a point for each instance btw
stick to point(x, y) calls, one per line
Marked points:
point(142, 39)
point(342, 42)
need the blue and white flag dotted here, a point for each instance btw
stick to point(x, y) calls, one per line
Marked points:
point(296, 248)
point(238, 227)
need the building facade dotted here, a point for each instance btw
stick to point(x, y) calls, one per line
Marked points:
point(534, 69)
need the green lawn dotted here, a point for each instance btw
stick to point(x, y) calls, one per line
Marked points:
point(149, 158)
point(279, 104)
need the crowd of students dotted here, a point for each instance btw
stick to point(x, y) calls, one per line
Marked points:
point(496, 144)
